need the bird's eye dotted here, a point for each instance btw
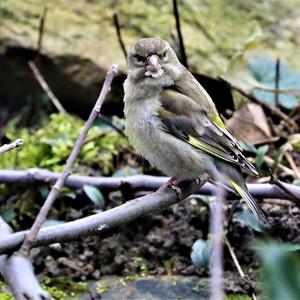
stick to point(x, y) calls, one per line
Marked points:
point(164, 54)
point(139, 58)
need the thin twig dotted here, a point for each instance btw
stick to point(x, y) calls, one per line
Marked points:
point(216, 229)
point(41, 217)
point(7, 147)
point(271, 108)
point(46, 88)
point(277, 79)
point(180, 38)
point(285, 188)
point(95, 224)
point(236, 262)
point(289, 158)
point(279, 91)
point(41, 33)
point(118, 31)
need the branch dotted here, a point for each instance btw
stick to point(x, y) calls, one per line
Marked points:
point(180, 38)
point(277, 80)
point(118, 31)
point(41, 217)
point(18, 273)
point(123, 214)
point(137, 183)
point(41, 33)
point(7, 147)
point(46, 88)
point(236, 262)
point(216, 230)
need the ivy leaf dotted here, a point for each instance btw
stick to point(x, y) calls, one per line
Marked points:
point(261, 151)
point(201, 253)
point(263, 71)
point(249, 220)
point(7, 212)
point(95, 195)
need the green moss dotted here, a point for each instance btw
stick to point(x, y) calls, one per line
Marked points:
point(49, 146)
point(143, 268)
point(129, 278)
point(6, 296)
point(237, 297)
point(100, 288)
point(60, 288)
point(212, 31)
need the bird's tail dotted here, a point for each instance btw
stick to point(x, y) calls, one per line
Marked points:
point(244, 193)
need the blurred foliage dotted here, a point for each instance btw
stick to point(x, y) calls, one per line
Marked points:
point(263, 70)
point(201, 254)
point(248, 218)
point(280, 274)
point(95, 195)
point(49, 146)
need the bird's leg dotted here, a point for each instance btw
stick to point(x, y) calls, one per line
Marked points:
point(172, 183)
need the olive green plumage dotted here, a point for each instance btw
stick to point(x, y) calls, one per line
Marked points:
point(172, 121)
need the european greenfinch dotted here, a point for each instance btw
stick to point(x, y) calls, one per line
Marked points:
point(172, 121)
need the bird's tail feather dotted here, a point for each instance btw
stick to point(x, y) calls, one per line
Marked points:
point(243, 192)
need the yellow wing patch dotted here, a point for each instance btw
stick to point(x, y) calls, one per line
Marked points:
point(207, 148)
point(218, 121)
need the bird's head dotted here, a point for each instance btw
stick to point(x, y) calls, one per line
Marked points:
point(154, 62)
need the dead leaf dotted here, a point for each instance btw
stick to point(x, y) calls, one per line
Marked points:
point(249, 124)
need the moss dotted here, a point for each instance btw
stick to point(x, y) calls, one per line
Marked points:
point(142, 265)
point(215, 28)
point(100, 288)
point(6, 296)
point(60, 288)
point(237, 297)
point(49, 146)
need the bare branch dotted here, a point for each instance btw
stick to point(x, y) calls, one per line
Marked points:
point(180, 38)
point(216, 230)
point(41, 33)
point(137, 183)
point(41, 217)
point(119, 35)
point(277, 80)
point(7, 147)
point(46, 88)
point(95, 224)
point(18, 273)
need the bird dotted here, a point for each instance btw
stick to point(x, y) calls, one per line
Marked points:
point(172, 122)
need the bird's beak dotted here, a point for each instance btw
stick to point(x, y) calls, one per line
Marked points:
point(153, 67)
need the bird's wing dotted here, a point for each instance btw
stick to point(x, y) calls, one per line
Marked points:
point(188, 85)
point(183, 118)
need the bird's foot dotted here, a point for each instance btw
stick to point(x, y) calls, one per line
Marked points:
point(172, 183)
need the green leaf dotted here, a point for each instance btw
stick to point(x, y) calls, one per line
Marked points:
point(7, 213)
point(95, 195)
point(261, 151)
point(249, 219)
point(263, 71)
point(280, 270)
point(201, 253)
